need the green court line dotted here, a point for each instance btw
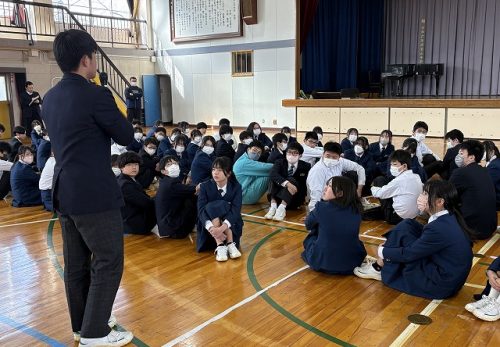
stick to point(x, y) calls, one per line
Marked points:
point(260, 209)
point(53, 257)
point(274, 304)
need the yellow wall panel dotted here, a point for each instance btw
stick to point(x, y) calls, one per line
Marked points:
point(480, 123)
point(5, 119)
point(327, 118)
point(403, 119)
point(370, 120)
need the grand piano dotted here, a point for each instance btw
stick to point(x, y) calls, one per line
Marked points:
point(399, 73)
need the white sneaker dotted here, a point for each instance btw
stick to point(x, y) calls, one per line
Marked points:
point(489, 312)
point(221, 253)
point(477, 304)
point(367, 271)
point(270, 213)
point(111, 324)
point(280, 214)
point(233, 251)
point(114, 338)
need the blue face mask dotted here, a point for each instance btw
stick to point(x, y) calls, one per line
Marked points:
point(254, 156)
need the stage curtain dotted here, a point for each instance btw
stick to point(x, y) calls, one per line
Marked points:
point(307, 13)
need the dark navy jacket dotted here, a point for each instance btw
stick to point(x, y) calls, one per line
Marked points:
point(82, 118)
point(494, 171)
point(275, 155)
point(346, 144)
point(35, 139)
point(380, 157)
point(43, 153)
point(147, 169)
point(201, 168)
point(333, 246)
point(191, 151)
point(24, 186)
point(135, 146)
point(164, 146)
point(183, 162)
point(224, 149)
point(264, 139)
point(449, 161)
point(366, 161)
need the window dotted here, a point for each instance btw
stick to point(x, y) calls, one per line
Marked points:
point(110, 8)
point(3, 88)
point(242, 63)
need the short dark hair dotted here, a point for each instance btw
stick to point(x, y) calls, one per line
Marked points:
point(411, 145)
point(5, 147)
point(350, 130)
point(387, 132)
point(333, 147)
point(35, 122)
point(489, 146)
point(455, 134)
point(151, 141)
point(166, 159)
point(256, 143)
point(475, 148)
point(225, 129)
point(206, 139)
point(420, 124)
point(71, 46)
point(19, 130)
point(401, 156)
point(138, 130)
point(363, 141)
point(2, 128)
point(158, 123)
point(161, 129)
point(181, 138)
point(279, 137)
point(245, 135)
point(251, 125)
point(133, 78)
point(175, 131)
point(311, 135)
point(23, 149)
point(201, 125)
point(223, 163)
point(296, 146)
point(224, 121)
point(28, 83)
point(129, 157)
point(183, 125)
point(286, 130)
point(114, 160)
point(194, 133)
point(136, 122)
point(318, 130)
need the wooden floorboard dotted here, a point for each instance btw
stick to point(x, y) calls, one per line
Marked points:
point(168, 289)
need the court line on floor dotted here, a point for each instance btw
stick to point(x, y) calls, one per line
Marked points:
point(26, 223)
point(411, 328)
point(30, 331)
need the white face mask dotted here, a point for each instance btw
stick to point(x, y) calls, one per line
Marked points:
point(150, 151)
point(353, 138)
point(256, 132)
point(459, 160)
point(120, 147)
point(358, 149)
point(187, 131)
point(284, 146)
point(138, 136)
point(38, 128)
point(116, 171)
point(179, 149)
point(247, 141)
point(208, 150)
point(331, 162)
point(320, 137)
point(133, 84)
point(29, 93)
point(173, 171)
point(395, 171)
point(160, 137)
point(292, 159)
point(227, 137)
point(197, 139)
point(420, 137)
point(172, 138)
point(449, 145)
point(46, 138)
point(383, 141)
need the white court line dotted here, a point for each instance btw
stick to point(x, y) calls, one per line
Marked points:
point(283, 221)
point(411, 328)
point(373, 229)
point(230, 309)
point(26, 223)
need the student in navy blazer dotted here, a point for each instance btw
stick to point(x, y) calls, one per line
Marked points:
point(381, 151)
point(167, 143)
point(201, 168)
point(214, 202)
point(493, 166)
point(288, 132)
point(149, 160)
point(280, 143)
point(245, 139)
point(194, 145)
point(431, 261)
point(36, 134)
point(224, 146)
point(175, 202)
point(137, 143)
point(255, 129)
point(24, 180)
point(44, 151)
point(179, 150)
point(349, 141)
point(334, 247)
point(361, 155)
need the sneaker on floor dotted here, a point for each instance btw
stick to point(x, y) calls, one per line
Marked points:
point(111, 324)
point(221, 253)
point(367, 271)
point(489, 312)
point(280, 214)
point(114, 338)
point(477, 304)
point(233, 251)
point(270, 213)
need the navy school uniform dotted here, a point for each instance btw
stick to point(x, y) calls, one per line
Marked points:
point(449, 162)
point(43, 154)
point(201, 168)
point(431, 261)
point(495, 266)
point(151, 132)
point(138, 214)
point(147, 169)
point(14, 145)
point(279, 174)
point(211, 205)
point(224, 149)
point(380, 157)
point(346, 144)
point(135, 146)
point(264, 139)
point(36, 138)
point(275, 154)
point(292, 139)
point(164, 146)
point(494, 171)
point(24, 186)
point(191, 150)
point(175, 205)
point(333, 247)
point(366, 161)
point(183, 162)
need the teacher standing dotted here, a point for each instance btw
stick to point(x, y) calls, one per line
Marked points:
point(30, 106)
point(82, 118)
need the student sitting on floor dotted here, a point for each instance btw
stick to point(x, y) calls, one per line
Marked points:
point(488, 307)
point(184, 127)
point(288, 178)
point(219, 213)
point(202, 128)
point(410, 145)
point(475, 190)
point(360, 155)
point(333, 245)
point(44, 151)
point(19, 133)
point(201, 168)
point(492, 157)
point(398, 198)
point(168, 142)
point(288, 132)
point(319, 131)
point(24, 180)
point(349, 141)
point(224, 146)
point(36, 134)
point(331, 165)
point(245, 140)
point(5, 167)
point(252, 174)
point(149, 160)
point(179, 150)
point(175, 203)
point(161, 134)
point(381, 151)
point(256, 130)
point(216, 135)
point(312, 152)
point(194, 145)
point(280, 143)
point(138, 142)
point(158, 123)
point(431, 261)
point(138, 214)
point(420, 130)
point(45, 183)
point(454, 139)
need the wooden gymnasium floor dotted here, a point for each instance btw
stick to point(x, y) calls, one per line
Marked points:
point(171, 294)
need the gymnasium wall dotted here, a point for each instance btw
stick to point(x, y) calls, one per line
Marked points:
point(202, 86)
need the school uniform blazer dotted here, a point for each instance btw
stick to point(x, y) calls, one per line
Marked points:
point(494, 171)
point(30, 112)
point(136, 204)
point(449, 161)
point(495, 266)
point(147, 169)
point(169, 204)
point(264, 139)
point(35, 139)
point(183, 161)
point(191, 150)
point(163, 147)
point(346, 144)
point(478, 199)
point(275, 155)
point(14, 145)
point(224, 149)
point(279, 174)
point(24, 185)
point(333, 246)
point(43, 153)
point(209, 193)
point(82, 118)
point(292, 139)
point(201, 168)
point(435, 266)
point(380, 156)
point(366, 161)
point(135, 146)
point(242, 148)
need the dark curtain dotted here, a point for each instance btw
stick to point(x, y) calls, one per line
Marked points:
point(344, 43)
point(20, 79)
point(307, 13)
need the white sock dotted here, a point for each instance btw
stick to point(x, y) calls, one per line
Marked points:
point(273, 205)
point(282, 207)
point(494, 294)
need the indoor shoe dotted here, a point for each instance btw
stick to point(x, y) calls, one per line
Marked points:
point(233, 251)
point(366, 270)
point(221, 253)
point(114, 338)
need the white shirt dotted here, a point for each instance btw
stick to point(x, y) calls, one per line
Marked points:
point(404, 191)
point(216, 136)
point(422, 149)
point(209, 223)
point(311, 154)
point(118, 149)
point(320, 174)
point(45, 182)
point(5, 166)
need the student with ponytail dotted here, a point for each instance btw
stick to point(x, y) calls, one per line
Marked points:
point(431, 261)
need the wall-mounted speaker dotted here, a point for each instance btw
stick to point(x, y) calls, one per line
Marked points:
point(249, 11)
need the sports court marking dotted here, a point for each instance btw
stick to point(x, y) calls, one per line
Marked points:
point(30, 331)
point(26, 223)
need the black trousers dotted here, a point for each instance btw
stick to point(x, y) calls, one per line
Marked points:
point(134, 114)
point(280, 193)
point(4, 184)
point(93, 259)
point(390, 216)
